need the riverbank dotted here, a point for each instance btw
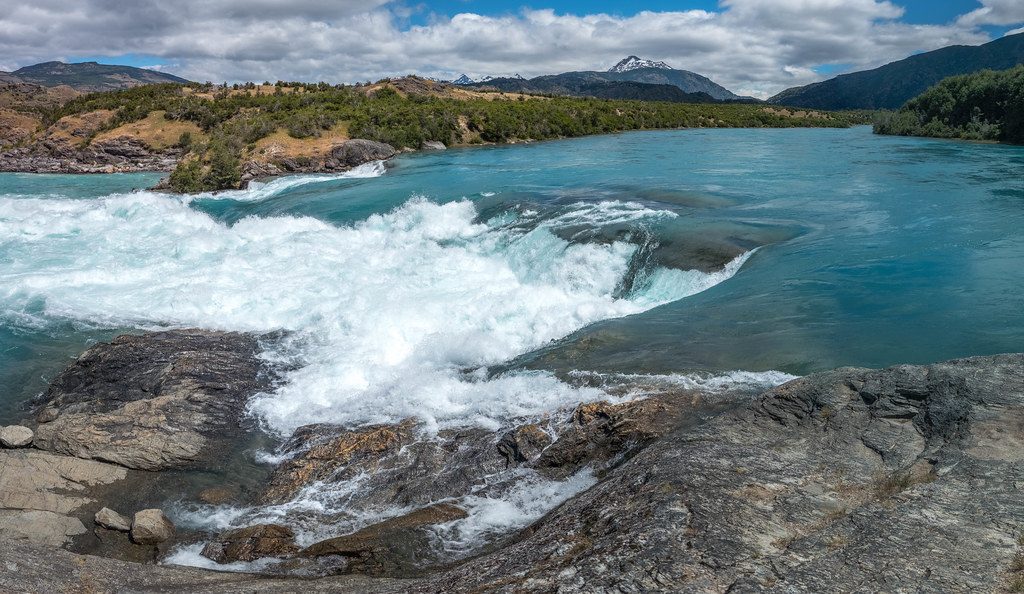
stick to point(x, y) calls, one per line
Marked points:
point(215, 138)
point(862, 476)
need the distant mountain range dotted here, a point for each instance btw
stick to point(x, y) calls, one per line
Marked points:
point(631, 78)
point(634, 63)
point(892, 85)
point(88, 76)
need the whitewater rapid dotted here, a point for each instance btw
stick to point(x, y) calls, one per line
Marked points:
point(396, 316)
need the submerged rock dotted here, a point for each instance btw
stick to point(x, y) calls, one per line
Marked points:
point(251, 543)
point(153, 401)
point(150, 527)
point(15, 436)
point(397, 546)
point(112, 520)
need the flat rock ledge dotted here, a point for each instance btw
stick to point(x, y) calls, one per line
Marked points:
point(154, 401)
point(905, 479)
point(40, 494)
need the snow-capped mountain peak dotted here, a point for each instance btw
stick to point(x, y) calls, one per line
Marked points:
point(466, 80)
point(635, 63)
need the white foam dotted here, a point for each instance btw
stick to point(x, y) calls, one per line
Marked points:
point(386, 315)
point(258, 191)
point(705, 382)
point(531, 498)
point(189, 555)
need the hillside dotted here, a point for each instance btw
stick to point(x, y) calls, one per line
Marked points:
point(986, 105)
point(892, 85)
point(581, 84)
point(632, 78)
point(88, 76)
point(221, 137)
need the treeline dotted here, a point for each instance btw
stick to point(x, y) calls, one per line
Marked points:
point(985, 105)
point(235, 118)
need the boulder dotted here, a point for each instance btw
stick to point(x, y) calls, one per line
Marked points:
point(112, 520)
point(15, 436)
point(251, 543)
point(396, 547)
point(353, 153)
point(150, 527)
point(154, 401)
point(433, 145)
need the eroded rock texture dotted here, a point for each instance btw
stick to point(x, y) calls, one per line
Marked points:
point(154, 401)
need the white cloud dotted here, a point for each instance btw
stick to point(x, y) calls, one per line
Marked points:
point(753, 47)
point(995, 12)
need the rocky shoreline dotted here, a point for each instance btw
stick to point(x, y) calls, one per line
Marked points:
point(902, 479)
point(131, 155)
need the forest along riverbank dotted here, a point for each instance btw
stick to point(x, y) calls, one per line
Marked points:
point(214, 138)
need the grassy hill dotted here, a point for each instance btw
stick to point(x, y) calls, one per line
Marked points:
point(892, 85)
point(90, 76)
point(986, 105)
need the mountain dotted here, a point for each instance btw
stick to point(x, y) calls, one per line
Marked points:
point(631, 78)
point(892, 85)
point(466, 80)
point(635, 63)
point(89, 76)
point(581, 84)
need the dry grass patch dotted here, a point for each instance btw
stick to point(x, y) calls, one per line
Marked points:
point(281, 145)
point(79, 128)
point(156, 131)
point(16, 127)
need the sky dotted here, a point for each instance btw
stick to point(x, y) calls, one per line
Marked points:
point(752, 47)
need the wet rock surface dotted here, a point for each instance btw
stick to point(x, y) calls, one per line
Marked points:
point(398, 547)
point(903, 479)
point(855, 480)
point(155, 401)
point(357, 151)
point(252, 543)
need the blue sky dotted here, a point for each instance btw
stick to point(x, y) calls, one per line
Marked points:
point(755, 47)
point(918, 11)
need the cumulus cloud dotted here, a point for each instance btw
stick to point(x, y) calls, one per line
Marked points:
point(753, 47)
point(995, 12)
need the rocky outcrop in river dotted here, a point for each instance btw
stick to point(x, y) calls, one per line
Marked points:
point(153, 402)
point(903, 479)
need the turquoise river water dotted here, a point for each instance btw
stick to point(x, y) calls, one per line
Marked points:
point(471, 285)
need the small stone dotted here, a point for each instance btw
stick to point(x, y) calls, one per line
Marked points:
point(150, 527)
point(216, 495)
point(109, 518)
point(15, 436)
point(48, 415)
